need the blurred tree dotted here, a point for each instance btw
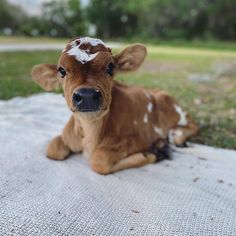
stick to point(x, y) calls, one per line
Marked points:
point(64, 18)
point(34, 26)
point(150, 19)
point(114, 18)
point(11, 16)
point(174, 19)
point(222, 19)
point(168, 19)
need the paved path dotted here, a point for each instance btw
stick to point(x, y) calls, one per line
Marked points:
point(41, 46)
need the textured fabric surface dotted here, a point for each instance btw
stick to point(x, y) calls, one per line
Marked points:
point(193, 194)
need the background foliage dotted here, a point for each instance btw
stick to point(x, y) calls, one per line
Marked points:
point(149, 19)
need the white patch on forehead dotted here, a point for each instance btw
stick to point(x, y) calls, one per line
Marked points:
point(81, 55)
point(91, 41)
point(145, 118)
point(158, 131)
point(182, 114)
point(150, 107)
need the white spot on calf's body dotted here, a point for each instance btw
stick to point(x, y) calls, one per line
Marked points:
point(173, 134)
point(145, 118)
point(81, 55)
point(147, 95)
point(178, 132)
point(150, 107)
point(158, 131)
point(183, 115)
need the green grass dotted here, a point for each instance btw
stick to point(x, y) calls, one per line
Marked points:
point(211, 103)
point(15, 69)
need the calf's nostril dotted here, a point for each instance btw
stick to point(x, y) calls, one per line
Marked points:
point(77, 97)
point(97, 95)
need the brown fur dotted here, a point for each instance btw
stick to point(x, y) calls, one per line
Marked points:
point(117, 136)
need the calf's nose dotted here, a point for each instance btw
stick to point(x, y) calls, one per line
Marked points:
point(87, 99)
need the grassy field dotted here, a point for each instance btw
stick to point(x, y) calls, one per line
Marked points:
point(203, 81)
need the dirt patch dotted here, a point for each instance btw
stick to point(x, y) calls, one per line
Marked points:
point(224, 68)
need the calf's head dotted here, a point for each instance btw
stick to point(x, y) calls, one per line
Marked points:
point(85, 71)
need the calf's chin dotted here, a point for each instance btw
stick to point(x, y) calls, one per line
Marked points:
point(91, 116)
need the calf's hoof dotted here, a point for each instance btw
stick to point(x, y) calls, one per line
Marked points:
point(57, 150)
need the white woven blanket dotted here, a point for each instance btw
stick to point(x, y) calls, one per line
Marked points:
point(194, 194)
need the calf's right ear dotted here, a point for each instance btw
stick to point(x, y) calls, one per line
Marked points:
point(46, 76)
point(131, 58)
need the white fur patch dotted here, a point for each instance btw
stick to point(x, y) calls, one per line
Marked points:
point(174, 133)
point(183, 115)
point(91, 41)
point(171, 136)
point(158, 131)
point(147, 95)
point(150, 107)
point(145, 118)
point(84, 56)
point(178, 132)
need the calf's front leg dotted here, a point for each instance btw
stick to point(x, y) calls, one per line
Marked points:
point(70, 141)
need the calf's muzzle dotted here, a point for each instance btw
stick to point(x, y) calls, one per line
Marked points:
point(87, 99)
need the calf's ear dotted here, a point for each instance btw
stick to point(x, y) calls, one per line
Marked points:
point(130, 58)
point(46, 76)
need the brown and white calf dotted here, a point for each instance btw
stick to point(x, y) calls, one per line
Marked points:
point(119, 126)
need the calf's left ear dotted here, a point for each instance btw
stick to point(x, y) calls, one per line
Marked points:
point(46, 76)
point(130, 58)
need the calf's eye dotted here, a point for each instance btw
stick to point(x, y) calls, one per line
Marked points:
point(110, 68)
point(61, 72)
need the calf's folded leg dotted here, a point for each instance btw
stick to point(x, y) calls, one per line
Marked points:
point(135, 160)
point(106, 162)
